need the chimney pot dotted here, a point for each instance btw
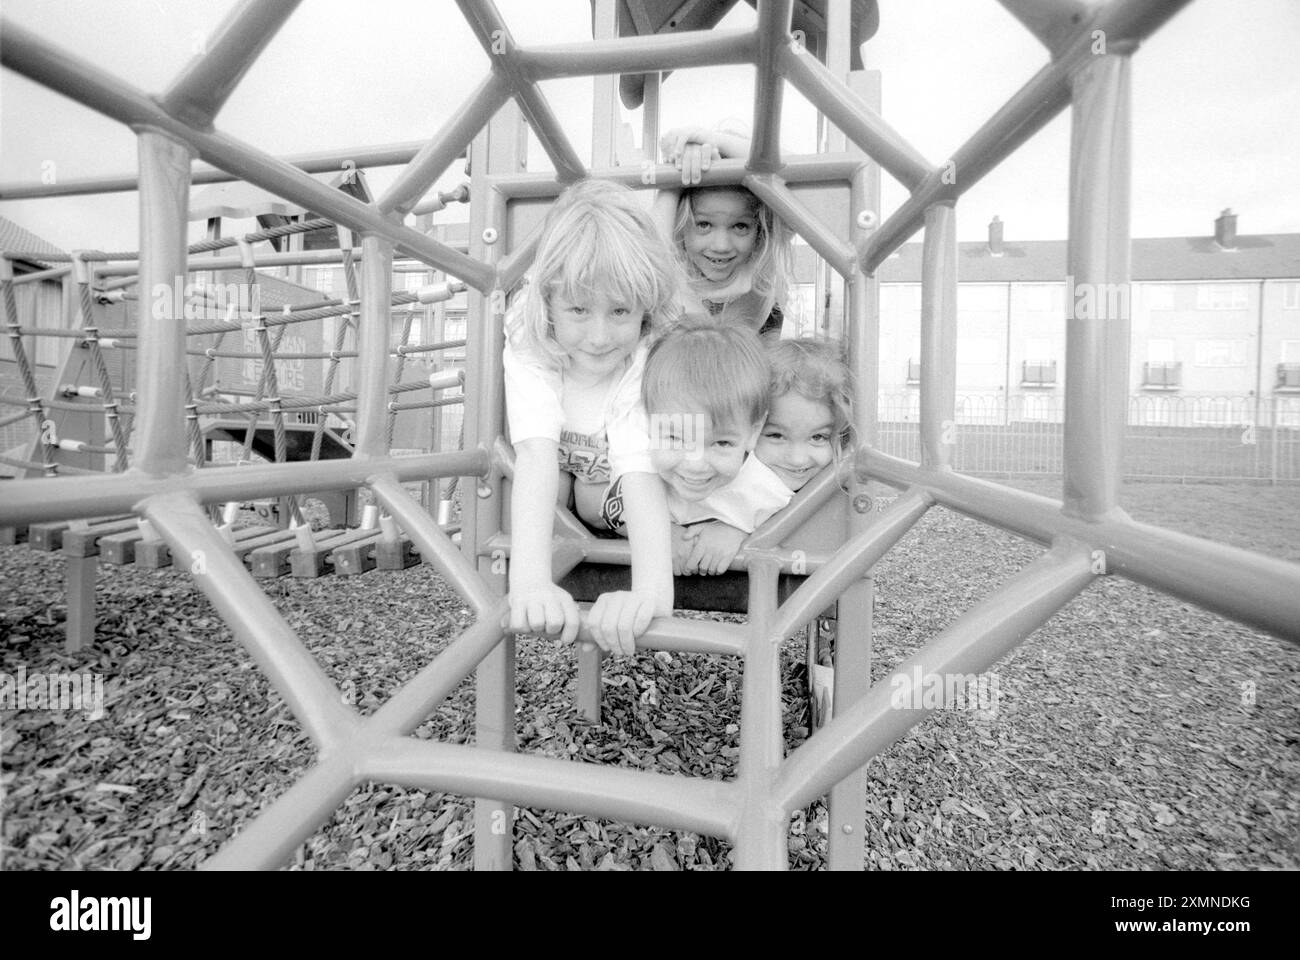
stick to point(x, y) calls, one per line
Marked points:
point(1225, 230)
point(995, 236)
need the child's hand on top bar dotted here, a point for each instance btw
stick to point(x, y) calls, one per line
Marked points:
point(546, 609)
point(692, 150)
point(617, 619)
point(715, 546)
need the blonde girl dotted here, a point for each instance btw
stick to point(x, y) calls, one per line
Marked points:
point(736, 253)
point(603, 282)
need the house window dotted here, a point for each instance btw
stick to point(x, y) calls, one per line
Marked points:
point(412, 282)
point(1162, 375)
point(981, 298)
point(1042, 297)
point(1291, 295)
point(1221, 353)
point(1038, 373)
point(1288, 371)
point(1160, 351)
point(1222, 296)
point(1158, 296)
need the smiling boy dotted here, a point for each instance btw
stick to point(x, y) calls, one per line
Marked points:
point(705, 389)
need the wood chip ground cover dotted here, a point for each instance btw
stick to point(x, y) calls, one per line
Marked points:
point(1133, 731)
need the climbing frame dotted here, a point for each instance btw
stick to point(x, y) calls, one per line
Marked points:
point(1086, 535)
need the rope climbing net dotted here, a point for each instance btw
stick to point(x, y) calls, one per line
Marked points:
point(1086, 535)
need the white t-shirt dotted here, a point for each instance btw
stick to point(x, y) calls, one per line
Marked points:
point(746, 502)
point(602, 433)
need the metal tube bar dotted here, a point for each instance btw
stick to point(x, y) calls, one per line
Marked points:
point(1051, 21)
point(512, 267)
point(762, 825)
point(203, 88)
point(491, 30)
point(650, 54)
point(252, 617)
point(36, 500)
point(447, 144)
point(128, 268)
point(372, 347)
point(320, 161)
point(939, 336)
point(851, 562)
point(681, 803)
point(1257, 590)
point(52, 274)
point(270, 840)
point(978, 639)
point(164, 210)
point(687, 636)
point(805, 505)
point(1097, 289)
point(26, 53)
point(773, 192)
point(724, 173)
point(851, 114)
point(420, 696)
point(773, 34)
point(1029, 109)
point(434, 545)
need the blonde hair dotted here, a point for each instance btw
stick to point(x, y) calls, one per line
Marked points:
point(773, 253)
point(597, 239)
point(720, 367)
point(815, 369)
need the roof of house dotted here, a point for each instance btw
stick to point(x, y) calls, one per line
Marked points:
point(241, 201)
point(1263, 256)
point(20, 239)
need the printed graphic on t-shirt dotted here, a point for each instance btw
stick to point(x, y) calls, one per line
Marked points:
point(585, 455)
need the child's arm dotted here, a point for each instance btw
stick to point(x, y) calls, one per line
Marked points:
point(537, 604)
point(716, 545)
point(618, 618)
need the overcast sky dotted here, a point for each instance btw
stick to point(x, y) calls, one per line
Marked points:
point(1216, 97)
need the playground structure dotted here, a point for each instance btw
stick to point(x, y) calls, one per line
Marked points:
point(1087, 534)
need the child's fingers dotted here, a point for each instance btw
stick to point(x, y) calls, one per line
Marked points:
point(545, 616)
point(572, 619)
point(626, 627)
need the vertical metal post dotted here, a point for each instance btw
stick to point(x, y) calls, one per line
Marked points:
point(372, 346)
point(761, 843)
point(79, 587)
point(160, 444)
point(650, 116)
point(496, 150)
point(838, 60)
point(938, 336)
point(1097, 289)
point(604, 118)
point(854, 630)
